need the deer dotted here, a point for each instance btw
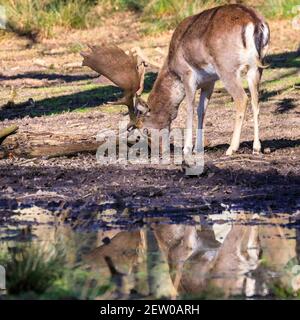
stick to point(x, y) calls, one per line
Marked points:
point(216, 44)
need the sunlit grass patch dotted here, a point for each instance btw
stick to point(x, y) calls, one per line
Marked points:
point(135, 5)
point(279, 8)
point(160, 15)
point(38, 18)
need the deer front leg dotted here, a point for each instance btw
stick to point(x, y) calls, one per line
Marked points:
point(203, 103)
point(190, 91)
point(132, 115)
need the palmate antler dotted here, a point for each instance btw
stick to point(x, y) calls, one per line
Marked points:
point(123, 70)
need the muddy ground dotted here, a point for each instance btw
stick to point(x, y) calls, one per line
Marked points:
point(55, 101)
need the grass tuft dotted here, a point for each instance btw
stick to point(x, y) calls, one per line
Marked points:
point(38, 18)
point(30, 268)
point(35, 271)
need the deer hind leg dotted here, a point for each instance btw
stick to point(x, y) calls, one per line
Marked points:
point(203, 103)
point(233, 85)
point(253, 77)
point(190, 87)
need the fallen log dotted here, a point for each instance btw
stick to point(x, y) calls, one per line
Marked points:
point(54, 151)
point(53, 145)
point(4, 133)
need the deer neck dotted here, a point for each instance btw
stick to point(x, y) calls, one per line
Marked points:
point(165, 98)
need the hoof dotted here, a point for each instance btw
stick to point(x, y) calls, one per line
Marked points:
point(256, 152)
point(192, 171)
point(230, 152)
point(256, 147)
point(187, 150)
point(188, 161)
point(193, 165)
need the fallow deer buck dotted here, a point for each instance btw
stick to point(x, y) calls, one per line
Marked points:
point(218, 43)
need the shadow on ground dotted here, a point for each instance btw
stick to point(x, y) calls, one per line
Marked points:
point(285, 105)
point(49, 76)
point(247, 188)
point(284, 60)
point(80, 100)
point(246, 146)
point(96, 97)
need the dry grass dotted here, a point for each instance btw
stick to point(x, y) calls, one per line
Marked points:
point(38, 19)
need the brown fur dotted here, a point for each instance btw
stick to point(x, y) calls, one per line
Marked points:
point(163, 109)
point(215, 44)
point(199, 39)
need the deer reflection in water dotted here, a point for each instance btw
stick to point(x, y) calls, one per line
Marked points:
point(240, 255)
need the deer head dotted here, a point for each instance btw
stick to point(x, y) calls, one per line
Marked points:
point(127, 71)
point(124, 70)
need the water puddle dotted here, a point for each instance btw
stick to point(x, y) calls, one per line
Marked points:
point(113, 255)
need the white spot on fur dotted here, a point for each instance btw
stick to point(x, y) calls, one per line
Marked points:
point(266, 36)
point(250, 55)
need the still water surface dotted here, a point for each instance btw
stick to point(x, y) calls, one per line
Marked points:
point(233, 254)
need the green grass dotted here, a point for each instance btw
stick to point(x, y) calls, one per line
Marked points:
point(159, 15)
point(84, 96)
point(162, 7)
point(133, 5)
point(279, 8)
point(279, 83)
point(75, 48)
point(38, 18)
point(31, 268)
